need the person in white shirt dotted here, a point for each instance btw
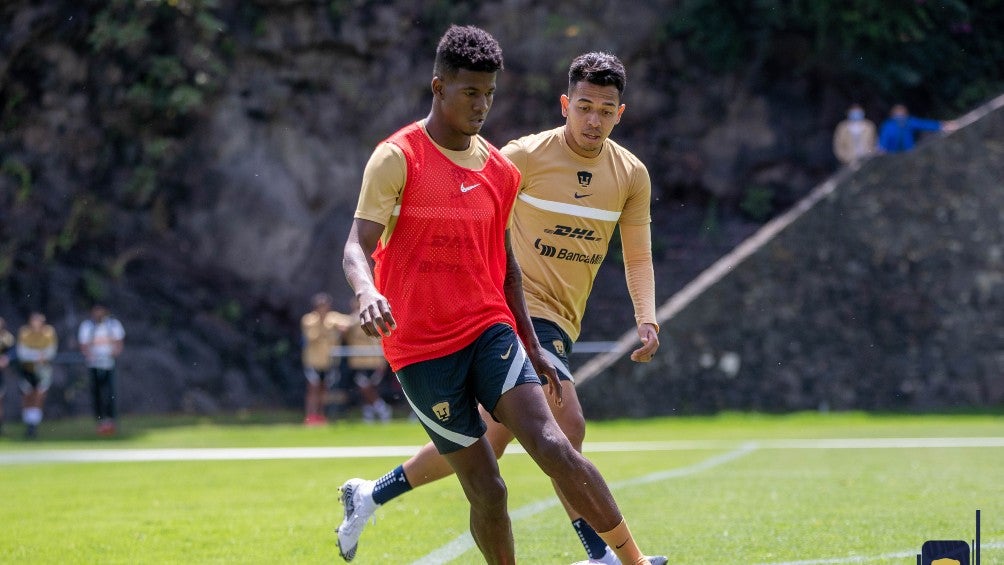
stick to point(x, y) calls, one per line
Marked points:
point(101, 341)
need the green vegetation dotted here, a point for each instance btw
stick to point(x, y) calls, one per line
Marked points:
point(765, 505)
point(165, 55)
point(758, 202)
point(21, 174)
point(149, 70)
point(946, 54)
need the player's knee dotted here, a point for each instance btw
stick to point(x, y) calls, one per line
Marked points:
point(555, 455)
point(499, 441)
point(499, 449)
point(488, 493)
point(574, 428)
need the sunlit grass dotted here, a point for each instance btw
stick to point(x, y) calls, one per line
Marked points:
point(765, 506)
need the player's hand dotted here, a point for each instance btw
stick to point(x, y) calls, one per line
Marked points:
point(546, 371)
point(375, 317)
point(649, 344)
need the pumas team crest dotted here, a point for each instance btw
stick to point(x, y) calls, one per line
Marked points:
point(441, 410)
point(951, 552)
point(559, 346)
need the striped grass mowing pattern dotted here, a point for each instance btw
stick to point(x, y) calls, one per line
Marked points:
point(796, 489)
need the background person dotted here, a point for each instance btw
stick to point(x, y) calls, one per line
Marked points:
point(101, 339)
point(855, 138)
point(899, 130)
point(322, 330)
point(366, 371)
point(6, 347)
point(36, 347)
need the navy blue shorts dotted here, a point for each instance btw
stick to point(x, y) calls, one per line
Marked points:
point(445, 392)
point(35, 377)
point(557, 346)
point(319, 376)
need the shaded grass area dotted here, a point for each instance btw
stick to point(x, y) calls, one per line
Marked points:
point(271, 428)
point(767, 506)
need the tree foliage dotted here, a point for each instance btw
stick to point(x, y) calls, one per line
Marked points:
point(945, 55)
point(163, 60)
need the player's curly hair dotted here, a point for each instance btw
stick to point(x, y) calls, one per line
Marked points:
point(469, 48)
point(601, 69)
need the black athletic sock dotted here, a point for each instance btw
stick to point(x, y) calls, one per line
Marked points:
point(391, 486)
point(595, 547)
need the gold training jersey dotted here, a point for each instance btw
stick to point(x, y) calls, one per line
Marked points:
point(387, 172)
point(36, 346)
point(356, 337)
point(320, 335)
point(565, 215)
point(6, 341)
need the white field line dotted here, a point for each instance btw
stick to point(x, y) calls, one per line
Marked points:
point(872, 558)
point(464, 543)
point(200, 454)
point(398, 451)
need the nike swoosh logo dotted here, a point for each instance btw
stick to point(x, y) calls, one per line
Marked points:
point(577, 195)
point(623, 544)
point(508, 351)
point(468, 188)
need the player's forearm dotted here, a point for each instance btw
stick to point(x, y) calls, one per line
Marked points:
point(357, 262)
point(639, 272)
point(358, 271)
point(513, 289)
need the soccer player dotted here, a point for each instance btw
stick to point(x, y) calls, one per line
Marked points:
point(577, 185)
point(366, 371)
point(6, 345)
point(322, 330)
point(36, 348)
point(430, 241)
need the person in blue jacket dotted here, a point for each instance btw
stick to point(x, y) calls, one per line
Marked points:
point(897, 132)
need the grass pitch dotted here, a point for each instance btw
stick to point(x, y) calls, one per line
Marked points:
point(729, 489)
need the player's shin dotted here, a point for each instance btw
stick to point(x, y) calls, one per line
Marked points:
point(622, 543)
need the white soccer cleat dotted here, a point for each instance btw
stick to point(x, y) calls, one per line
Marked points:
point(609, 558)
point(357, 500)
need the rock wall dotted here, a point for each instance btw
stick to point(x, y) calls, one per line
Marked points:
point(314, 89)
point(888, 294)
point(195, 165)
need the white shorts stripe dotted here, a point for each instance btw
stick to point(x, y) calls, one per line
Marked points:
point(571, 209)
point(459, 439)
point(559, 365)
point(516, 369)
point(313, 377)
